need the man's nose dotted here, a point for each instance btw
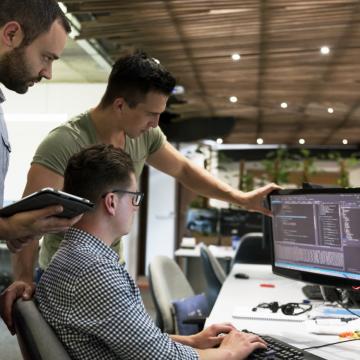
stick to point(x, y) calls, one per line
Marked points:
point(46, 72)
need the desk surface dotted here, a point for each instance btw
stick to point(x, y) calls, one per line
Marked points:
point(240, 292)
point(217, 251)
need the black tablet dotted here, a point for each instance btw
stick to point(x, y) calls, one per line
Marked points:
point(73, 205)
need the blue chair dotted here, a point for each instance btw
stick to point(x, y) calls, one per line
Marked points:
point(214, 274)
point(174, 298)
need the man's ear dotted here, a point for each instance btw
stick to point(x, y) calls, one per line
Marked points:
point(118, 104)
point(12, 34)
point(110, 203)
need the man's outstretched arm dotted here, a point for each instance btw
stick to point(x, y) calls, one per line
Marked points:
point(170, 161)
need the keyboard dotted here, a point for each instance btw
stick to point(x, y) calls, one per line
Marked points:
point(279, 350)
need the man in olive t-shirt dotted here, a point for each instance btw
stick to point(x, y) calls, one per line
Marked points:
point(73, 136)
point(136, 95)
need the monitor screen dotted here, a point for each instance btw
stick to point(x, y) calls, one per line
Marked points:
point(315, 235)
point(202, 221)
point(240, 220)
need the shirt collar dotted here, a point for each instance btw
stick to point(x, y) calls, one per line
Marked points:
point(87, 242)
point(2, 97)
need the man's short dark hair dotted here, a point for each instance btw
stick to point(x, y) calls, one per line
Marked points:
point(134, 76)
point(96, 170)
point(34, 16)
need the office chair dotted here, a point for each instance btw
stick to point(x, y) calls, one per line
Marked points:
point(167, 284)
point(252, 250)
point(214, 274)
point(36, 338)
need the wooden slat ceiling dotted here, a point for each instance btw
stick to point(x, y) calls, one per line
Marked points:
point(279, 42)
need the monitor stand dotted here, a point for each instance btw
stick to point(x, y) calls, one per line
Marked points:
point(312, 292)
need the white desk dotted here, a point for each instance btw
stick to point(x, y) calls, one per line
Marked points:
point(240, 292)
point(221, 252)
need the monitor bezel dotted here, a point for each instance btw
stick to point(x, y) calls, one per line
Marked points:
point(300, 275)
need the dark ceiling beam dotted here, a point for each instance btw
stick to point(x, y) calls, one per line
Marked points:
point(184, 6)
point(336, 54)
point(194, 69)
point(262, 66)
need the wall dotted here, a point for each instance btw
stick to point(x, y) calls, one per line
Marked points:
point(31, 116)
point(160, 232)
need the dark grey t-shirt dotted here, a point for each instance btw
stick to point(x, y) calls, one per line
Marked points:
point(4, 150)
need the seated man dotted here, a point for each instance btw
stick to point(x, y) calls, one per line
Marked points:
point(89, 298)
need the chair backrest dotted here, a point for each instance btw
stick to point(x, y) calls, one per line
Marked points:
point(252, 250)
point(214, 274)
point(36, 338)
point(167, 283)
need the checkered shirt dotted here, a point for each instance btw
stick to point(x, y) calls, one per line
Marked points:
point(95, 307)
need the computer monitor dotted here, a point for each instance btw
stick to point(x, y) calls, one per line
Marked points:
point(240, 220)
point(314, 235)
point(202, 221)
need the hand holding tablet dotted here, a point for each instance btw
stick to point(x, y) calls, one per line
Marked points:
point(38, 214)
point(72, 205)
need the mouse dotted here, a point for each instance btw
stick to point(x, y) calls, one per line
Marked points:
point(241, 276)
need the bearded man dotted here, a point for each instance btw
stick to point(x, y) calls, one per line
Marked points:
point(33, 34)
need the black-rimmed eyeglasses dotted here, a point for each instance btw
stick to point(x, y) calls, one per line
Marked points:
point(137, 196)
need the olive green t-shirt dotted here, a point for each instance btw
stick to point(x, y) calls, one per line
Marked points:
point(73, 136)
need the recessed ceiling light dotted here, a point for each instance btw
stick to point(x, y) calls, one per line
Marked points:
point(236, 56)
point(219, 140)
point(325, 50)
point(330, 110)
point(302, 141)
point(284, 105)
point(178, 90)
point(259, 141)
point(345, 142)
point(233, 99)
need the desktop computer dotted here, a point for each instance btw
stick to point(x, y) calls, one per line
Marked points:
point(314, 236)
point(222, 223)
point(240, 220)
point(202, 221)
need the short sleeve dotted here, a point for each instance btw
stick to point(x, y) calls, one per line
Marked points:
point(156, 139)
point(56, 149)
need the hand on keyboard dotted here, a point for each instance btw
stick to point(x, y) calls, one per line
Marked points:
point(279, 350)
point(242, 344)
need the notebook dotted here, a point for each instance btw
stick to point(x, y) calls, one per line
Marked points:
point(244, 312)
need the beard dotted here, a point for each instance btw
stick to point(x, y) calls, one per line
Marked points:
point(14, 71)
